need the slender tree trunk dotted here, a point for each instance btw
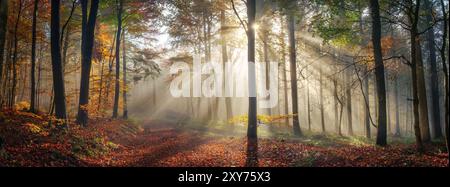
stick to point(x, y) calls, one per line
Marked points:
point(442, 51)
point(293, 60)
point(265, 38)
point(366, 108)
point(3, 25)
point(33, 59)
point(252, 136)
point(434, 80)
point(397, 109)
point(423, 106)
point(117, 82)
point(124, 56)
point(110, 69)
point(228, 106)
point(100, 91)
point(87, 44)
point(58, 79)
point(308, 108)
point(379, 72)
point(14, 61)
point(322, 111)
point(348, 93)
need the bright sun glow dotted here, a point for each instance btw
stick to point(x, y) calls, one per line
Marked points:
point(255, 26)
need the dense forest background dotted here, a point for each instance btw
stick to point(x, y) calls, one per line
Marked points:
point(374, 72)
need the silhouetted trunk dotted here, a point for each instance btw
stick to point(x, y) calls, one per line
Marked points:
point(397, 109)
point(117, 81)
point(419, 119)
point(434, 79)
point(379, 72)
point(100, 91)
point(308, 108)
point(336, 104)
point(366, 106)
point(348, 93)
point(293, 60)
point(87, 44)
point(12, 96)
point(58, 79)
point(228, 106)
point(322, 111)
point(252, 137)
point(110, 69)
point(265, 39)
point(124, 69)
point(33, 59)
point(3, 25)
point(283, 70)
point(442, 51)
point(422, 92)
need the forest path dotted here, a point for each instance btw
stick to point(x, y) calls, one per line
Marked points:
point(165, 146)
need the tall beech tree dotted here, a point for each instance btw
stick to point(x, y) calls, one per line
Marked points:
point(58, 77)
point(33, 59)
point(252, 137)
point(3, 26)
point(379, 73)
point(119, 6)
point(87, 44)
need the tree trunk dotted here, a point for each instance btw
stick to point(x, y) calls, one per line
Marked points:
point(252, 137)
point(443, 50)
point(293, 60)
point(3, 25)
point(397, 109)
point(423, 106)
point(348, 93)
point(33, 59)
point(124, 69)
point(366, 108)
point(379, 72)
point(58, 79)
point(322, 111)
point(117, 81)
point(283, 69)
point(228, 106)
point(87, 44)
point(265, 39)
point(308, 108)
point(12, 95)
point(434, 74)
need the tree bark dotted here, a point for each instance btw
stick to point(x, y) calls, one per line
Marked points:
point(117, 82)
point(58, 79)
point(442, 51)
point(366, 108)
point(124, 69)
point(3, 25)
point(348, 93)
point(283, 69)
point(322, 111)
point(434, 80)
point(87, 44)
point(33, 59)
point(12, 96)
point(421, 89)
point(252, 137)
point(228, 106)
point(379, 72)
point(293, 60)
point(397, 109)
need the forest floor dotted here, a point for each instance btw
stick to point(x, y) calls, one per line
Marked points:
point(31, 140)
